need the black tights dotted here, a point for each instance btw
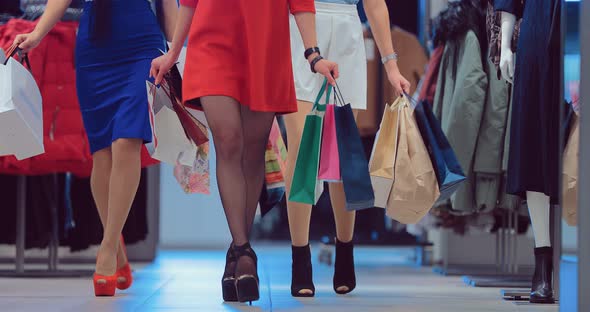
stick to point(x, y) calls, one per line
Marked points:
point(240, 137)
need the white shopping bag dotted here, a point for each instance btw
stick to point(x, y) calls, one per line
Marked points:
point(169, 141)
point(21, 112)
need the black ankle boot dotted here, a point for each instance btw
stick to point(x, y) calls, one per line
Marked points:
point(344, 275)
point(542, 288)
point(301, 272)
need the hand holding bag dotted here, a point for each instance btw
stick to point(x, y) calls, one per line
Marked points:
point(383, 154)
point(21, 109)
point(306, 188)
point(415, 189)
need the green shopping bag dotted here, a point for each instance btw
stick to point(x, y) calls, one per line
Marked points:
point(306, 188)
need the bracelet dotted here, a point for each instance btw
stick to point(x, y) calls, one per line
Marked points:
point(387, 58)
point(311, 51)
point(315, 61)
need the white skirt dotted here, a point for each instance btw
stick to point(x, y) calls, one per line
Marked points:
point(340, 39)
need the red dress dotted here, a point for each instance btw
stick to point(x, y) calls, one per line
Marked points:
point(241, 49)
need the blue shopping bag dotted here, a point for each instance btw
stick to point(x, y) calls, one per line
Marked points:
point(446, 166)
point(354, 167)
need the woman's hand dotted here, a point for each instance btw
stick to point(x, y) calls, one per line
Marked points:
point(161, 65)
point(26, 42)
point(400, 84)
point(328, 69)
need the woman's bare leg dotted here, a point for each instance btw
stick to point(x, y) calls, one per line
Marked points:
point(99, 184)
point(299, 214)
point(124, 181)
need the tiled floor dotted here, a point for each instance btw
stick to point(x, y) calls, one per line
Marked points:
point(189, 281)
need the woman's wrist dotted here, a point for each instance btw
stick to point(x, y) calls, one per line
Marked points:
point(391, 66)
point(174, 51)
point(312, 56)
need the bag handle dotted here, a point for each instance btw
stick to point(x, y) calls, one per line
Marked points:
point(338, 95)
point(413, 102)
point(14, 49)
point(317, 105)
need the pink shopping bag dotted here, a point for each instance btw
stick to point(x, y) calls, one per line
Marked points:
point(329, 160)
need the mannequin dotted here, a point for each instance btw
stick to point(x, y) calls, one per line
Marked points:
point(539, 195)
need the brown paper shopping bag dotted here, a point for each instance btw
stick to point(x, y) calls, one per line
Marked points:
point(383, 154)
point(415, 188)
point(570, 175)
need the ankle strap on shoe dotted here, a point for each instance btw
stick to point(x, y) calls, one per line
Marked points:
point(244, 251)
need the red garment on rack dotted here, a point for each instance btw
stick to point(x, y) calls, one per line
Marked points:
point(66, 143)
point(431, 77)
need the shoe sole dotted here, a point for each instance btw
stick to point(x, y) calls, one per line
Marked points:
point(542, 301)
point(247, 289)
point(228, 288)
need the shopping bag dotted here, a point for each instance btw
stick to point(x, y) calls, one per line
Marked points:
point(273, 190)
point(306, 188)
point(570, 174)
point(169, 141)
point(449, 174)
point(21, 109)
point(383, 154)
point(172, 87)
point(329, 159)
point(195, 178)
point(415, 189)
point(354, 167)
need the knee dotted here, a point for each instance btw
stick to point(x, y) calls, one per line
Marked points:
point(126, 144)
point(125, 150)
point(254, 151)
point(102, 161)
point(229, 144)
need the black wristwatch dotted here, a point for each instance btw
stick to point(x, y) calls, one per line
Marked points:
point(315, 61)
point(311, 51)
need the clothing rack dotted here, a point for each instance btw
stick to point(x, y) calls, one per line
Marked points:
point(506, 271)
point(53, 269)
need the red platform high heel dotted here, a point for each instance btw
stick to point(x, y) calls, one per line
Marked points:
point(104, 286)
point(124, 272)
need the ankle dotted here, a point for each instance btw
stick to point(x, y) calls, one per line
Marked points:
point(344, 241)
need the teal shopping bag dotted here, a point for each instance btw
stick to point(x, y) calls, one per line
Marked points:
point(306, 188)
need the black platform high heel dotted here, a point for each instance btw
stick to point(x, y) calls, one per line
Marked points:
point(228, 281)
point(344, 275)
point(247, 284)
point(301, 272)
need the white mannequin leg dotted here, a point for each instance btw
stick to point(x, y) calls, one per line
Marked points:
point(539, 209)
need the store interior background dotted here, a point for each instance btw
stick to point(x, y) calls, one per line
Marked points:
point(181, 222)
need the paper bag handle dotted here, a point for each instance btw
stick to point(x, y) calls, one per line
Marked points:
point(14, 49)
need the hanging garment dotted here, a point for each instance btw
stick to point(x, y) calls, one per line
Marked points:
point(459, 105)
point(42, 191)
point(66, 144)
point(430, 78)
point(534, 136)
point(472, 105)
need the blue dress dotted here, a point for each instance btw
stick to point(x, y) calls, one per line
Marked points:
point(111, 74)
point(535, 152)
